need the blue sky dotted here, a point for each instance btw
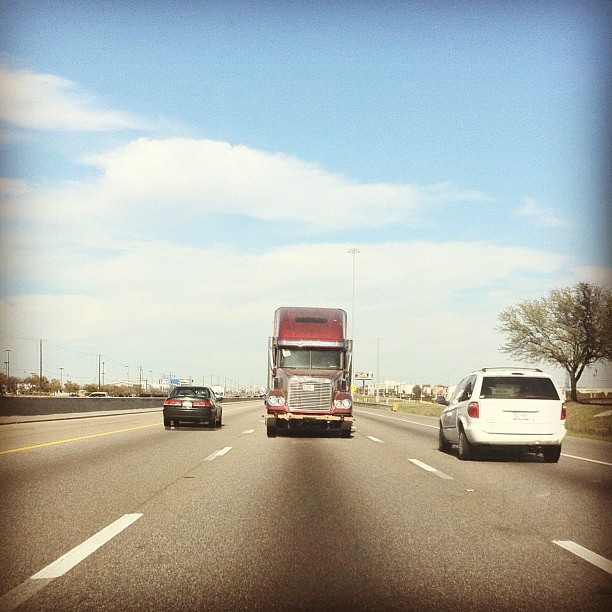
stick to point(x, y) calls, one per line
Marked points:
point(173, 172)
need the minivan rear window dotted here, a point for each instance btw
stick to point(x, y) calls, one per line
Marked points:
point(514, 387)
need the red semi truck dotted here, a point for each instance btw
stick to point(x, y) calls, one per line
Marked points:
point(309, 374)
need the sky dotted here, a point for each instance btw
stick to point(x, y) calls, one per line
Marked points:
point(173, 172)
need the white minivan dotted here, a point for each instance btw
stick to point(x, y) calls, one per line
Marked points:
point(504, 407)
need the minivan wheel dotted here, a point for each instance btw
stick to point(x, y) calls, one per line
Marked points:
point(464, 448)
point(443, 444)
point(551, 453)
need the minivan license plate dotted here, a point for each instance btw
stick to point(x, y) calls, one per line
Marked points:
point(522, 416)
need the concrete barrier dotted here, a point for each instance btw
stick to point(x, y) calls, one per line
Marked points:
point(29, 406)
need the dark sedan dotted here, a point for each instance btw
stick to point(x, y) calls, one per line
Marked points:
point(194, 405)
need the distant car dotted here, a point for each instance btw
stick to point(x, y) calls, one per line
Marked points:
point(504, 407)
point(98, 394)
point(195, 405)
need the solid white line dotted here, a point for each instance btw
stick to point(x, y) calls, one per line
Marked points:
point(248, 431)
point(428, 468)
point(586, 554)
point(218, 453)
point(374, 439)
point(76, 555)
point(585, 459)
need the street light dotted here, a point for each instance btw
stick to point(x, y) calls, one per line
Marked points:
point(353, 251)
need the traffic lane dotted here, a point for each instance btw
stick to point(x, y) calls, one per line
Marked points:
point(584, 448)
point(31, 433)
point(566, 500)
point(257, 528)
point(54, 496)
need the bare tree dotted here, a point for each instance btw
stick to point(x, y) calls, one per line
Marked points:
point(572, 327)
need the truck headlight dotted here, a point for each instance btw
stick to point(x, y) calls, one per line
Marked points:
point(342, 403)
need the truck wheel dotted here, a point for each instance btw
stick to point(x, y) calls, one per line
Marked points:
point(271, 431)
point(465, 448)
point(345, 432)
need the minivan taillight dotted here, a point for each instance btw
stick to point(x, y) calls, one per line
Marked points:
point(473, 410)
point(563, 411)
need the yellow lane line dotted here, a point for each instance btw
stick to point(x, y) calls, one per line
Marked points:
point(106, 433)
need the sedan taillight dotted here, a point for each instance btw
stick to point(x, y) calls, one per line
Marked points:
point(202, 403)
point(170, 402)
point(473, 410)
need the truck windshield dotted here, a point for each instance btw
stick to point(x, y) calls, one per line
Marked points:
point(317, 359)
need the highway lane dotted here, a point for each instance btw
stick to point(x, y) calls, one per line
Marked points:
point(229, 519)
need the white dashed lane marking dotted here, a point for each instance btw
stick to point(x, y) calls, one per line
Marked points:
point(218, 453)
point(430, 469)
point(586, 554)
point(28, 588)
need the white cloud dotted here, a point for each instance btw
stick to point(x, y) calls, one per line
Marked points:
point(208, 311)
point(48, 102)
point(540, 214)
point(76, 279)
point(187, 177)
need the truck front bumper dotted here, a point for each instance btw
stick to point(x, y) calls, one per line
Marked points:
point(272, 418)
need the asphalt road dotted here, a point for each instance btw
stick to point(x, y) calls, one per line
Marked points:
point(117, 513)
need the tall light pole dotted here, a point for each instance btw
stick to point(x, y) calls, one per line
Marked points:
point(353, 251)
point(8, 364)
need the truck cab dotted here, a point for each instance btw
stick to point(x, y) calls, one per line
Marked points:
point(309, 374)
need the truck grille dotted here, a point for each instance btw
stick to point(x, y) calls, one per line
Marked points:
point(309, 393)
